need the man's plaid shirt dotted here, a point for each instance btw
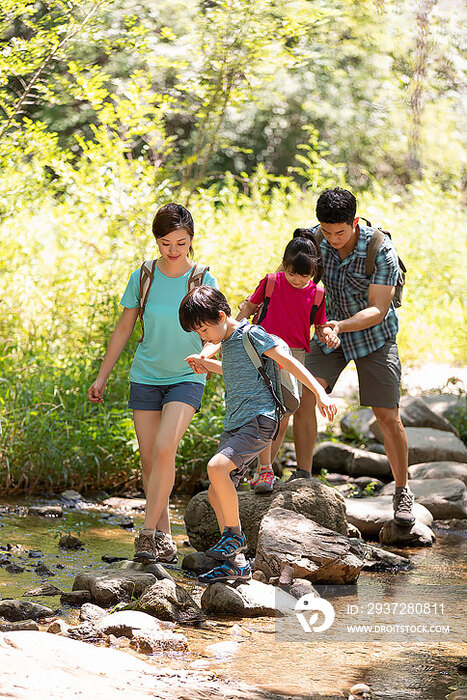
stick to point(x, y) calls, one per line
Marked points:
point(347, 283)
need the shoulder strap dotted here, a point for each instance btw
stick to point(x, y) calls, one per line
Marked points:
point(372, 250)
point(146, 277)
point(317, 303)
point(258, 362)
point(318, 236)
point(196, 276)
point(268, 290)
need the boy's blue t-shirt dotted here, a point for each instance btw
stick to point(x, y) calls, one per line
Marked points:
point(246, 395)
point(160, 358)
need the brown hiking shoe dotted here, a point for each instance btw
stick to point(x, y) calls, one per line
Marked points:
point(402, 502)
point(166, 551)
point(145, 547)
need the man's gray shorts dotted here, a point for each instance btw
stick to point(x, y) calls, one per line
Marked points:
point(379, 373)
point(245, 443)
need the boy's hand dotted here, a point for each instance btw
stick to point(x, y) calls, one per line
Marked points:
point(326, 406)
point(196, 363)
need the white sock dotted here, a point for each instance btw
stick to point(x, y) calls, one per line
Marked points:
point(148, 530)
point(239, 559)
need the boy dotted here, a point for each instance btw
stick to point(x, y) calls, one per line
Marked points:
point(250, 419)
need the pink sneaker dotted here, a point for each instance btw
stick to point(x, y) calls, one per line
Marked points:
point(265, 482)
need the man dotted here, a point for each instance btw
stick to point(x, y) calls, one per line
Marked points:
point(364, 316)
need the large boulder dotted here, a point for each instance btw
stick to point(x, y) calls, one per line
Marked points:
point(16, 610)
point(310, 497)
point(429, 445)
point(445, 405)
point(439, 470)
point(288, 539)
point(357, 422)
point(418, 535)
point(370, 514)
point(335, 456)
point(249, 599)
point(444, 498)
point(166, 600)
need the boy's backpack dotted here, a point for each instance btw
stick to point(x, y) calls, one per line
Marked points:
point(145, 281)
point(282, 385)
point(261, 311)
point(371, 252)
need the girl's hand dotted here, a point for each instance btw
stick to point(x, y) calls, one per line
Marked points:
point(331, 338)
point(326, 406)
point(96, 390)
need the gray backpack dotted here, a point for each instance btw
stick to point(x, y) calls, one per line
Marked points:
point(282, 385)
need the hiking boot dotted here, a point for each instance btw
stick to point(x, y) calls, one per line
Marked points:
point(299, 474)
point(145, 547)
point(227, 571)
point(402, 502)
point(265, 483)
point(166, 551)
point(228, 546)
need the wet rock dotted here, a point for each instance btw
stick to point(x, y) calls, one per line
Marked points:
point(43, 570)
point(86, 633)
point(155, 569)
point(126, 622)
point(75, 598)
point(70, 542)
point(111, 587)
point(71, 495)
point(14, 568)
point(21, 625)
point(360, 691)
point(223, 650)
point(35, 554)
point(58, 627)
point(377, 559)
point(260, 576)
point(357, 422)
point(198, 563)
point(300, 587)
point(15, 610)
point(350, 460)
point(111, 559)
point(310, 497)
point(90, 612)
point(459, 694)
point(439, 470)
point(159, 641)
point(126, 523)
point(248, 599)
point(370, 514)
point(125, 504)
point(4, 560)
point(419, 535)
point(452, 525)
point(46, 511)
point(444, 498)
point(168, 601)
point(45, 589)
point(314, 552)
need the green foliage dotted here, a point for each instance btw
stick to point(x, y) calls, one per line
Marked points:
point(69, 527)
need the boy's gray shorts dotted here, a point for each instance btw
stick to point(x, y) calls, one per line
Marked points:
point(379, 373)
point(245, 443)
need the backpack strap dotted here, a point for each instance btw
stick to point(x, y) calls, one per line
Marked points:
point(318, 236)
point(258, 362)
point(196, 276)
point(268, 290)
point(372, 249)
point(146, 277)
point(318, 301)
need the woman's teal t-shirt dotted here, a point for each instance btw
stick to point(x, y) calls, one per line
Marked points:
point(160, 358)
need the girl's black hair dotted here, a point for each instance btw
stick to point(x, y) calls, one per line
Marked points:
point(302, 255)
point(201, 306)
point(173, 217)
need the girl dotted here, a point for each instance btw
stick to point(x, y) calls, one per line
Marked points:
point(288, 311)
point(164, 392)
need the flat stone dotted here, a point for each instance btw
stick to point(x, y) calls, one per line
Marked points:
point(312, 551)
point(125, 622)
point(166, 600)
point(444, 498)
point(353, 461)
point(419, 535)
point(75, 598)
point(46, 511)
point(159, 641)
point(45, 589)
point(125, 504)
point(370, 514)
point(439, 470)
point(71, 495)
point(21, 625)
point(15, 610)
point(248, 599)
point(429, 445)
point(153, 568)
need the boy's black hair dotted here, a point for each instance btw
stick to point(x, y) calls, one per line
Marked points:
point(336, 206)
point(201, 306)
point(302, 255)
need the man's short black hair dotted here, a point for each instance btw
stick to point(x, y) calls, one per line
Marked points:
point(336, 206)
point(202, 305)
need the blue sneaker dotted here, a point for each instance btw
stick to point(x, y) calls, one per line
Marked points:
point(228, 546)
point(227, 571)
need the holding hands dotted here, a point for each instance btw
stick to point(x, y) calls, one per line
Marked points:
point(328, 333)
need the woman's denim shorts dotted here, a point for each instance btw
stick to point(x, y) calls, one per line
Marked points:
point(152, 397)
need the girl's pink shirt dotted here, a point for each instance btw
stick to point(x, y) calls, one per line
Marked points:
point(289, 309)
